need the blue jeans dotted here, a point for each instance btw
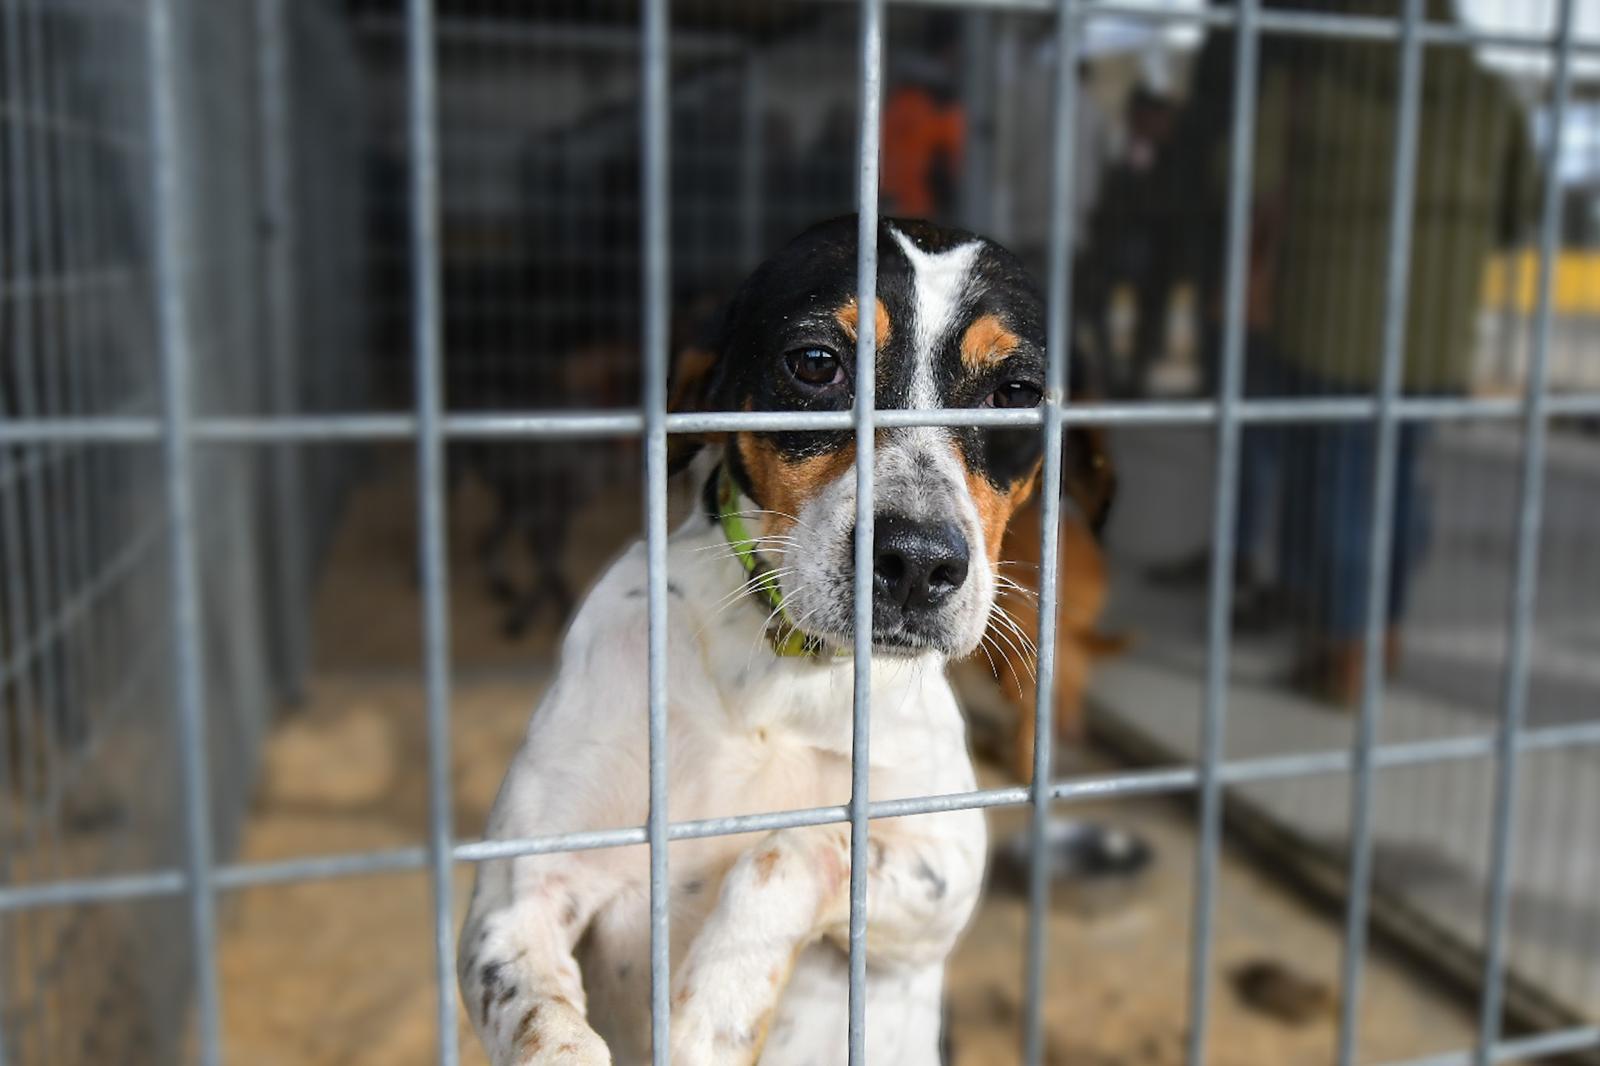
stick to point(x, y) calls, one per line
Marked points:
point(1262, 448)
point(1327, 518)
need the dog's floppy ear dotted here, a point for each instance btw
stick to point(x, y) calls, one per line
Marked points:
point(1088, 477)
point(696, 353)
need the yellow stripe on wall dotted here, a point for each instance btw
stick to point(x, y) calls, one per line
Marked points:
point(1509, 278)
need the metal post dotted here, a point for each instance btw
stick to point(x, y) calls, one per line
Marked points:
point(174, 262)
point(1058, 349)
point(277, 225)
point(12, 483)
point(655, 57)
point(1223, 519)
point(1525, 575)
point(433, 560)
point(1380, 535)
point(866, 401)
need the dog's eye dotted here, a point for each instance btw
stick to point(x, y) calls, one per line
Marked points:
point(816, 368)
point(1014, 394)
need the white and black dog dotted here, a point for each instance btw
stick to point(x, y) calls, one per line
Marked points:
point(554, 957)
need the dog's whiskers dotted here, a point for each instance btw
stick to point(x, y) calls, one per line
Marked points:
point(1010, 632)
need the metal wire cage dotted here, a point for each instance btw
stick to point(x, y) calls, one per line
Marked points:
point(159, 218)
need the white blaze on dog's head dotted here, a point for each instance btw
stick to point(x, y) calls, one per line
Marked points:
point(957, 324)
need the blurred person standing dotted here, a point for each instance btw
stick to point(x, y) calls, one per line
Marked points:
point(1131, 235)
point(1323, 181)
point(1196, 166)
point(1031, 184)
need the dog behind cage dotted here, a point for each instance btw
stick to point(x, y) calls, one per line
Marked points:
point(324, 319)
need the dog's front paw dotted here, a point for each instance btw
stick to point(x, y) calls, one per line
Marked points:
point(560, 1037)
point(576, 1049)
point(698, 1040)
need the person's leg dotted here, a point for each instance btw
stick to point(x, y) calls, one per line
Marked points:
point(1153, 286)
point(1261, 459)
point(1413, 514)
point(1339, 521)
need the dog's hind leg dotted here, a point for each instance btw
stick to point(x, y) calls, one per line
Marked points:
point(519, 981)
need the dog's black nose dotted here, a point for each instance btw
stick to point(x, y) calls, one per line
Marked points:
point(917, 565)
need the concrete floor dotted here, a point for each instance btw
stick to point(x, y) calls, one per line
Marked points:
point(340, 972)
point(1431, 822)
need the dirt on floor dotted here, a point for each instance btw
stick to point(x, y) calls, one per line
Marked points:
point(340, 972)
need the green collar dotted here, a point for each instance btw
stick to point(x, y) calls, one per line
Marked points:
point(785, 637)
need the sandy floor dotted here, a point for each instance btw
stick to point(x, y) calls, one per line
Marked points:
point(340, 972)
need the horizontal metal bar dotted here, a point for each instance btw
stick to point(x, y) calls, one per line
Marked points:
point(1129, 785)
point(377, 426)
point(289, 429)
point(513, 32)
point(70, 284)
point(1279, 23)
point(93, 890)
point(320, 868)
point(32, 645)
point(109, 429)
point(1543, 1045)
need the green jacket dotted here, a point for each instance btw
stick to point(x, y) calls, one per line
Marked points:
point(1323, 179)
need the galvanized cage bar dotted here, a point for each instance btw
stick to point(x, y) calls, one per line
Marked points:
point(1525, 575)
point(427, 324)
point(865, 419)
point(1057, 350)
point(174, 264)
point(1224, 516)
point(550, 425)
point(1380, 535)
point(655, 61)
point(1123, 784)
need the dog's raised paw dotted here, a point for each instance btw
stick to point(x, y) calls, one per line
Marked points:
point(566, 1049)
point(559, 1038)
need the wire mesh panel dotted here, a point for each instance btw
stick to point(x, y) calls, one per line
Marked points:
point(238, 234)
point(90, 766)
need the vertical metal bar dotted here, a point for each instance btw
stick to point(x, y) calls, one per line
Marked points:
point(20, 934)
point(1525, 575)
point(1058, 349)
point(9, 933)
point(290, 636)
point(1380, 535)
point(1223, 520)
point(34, 369)
point(655, 56)
point(173, 267)
point(866, 400)
point(428, 341)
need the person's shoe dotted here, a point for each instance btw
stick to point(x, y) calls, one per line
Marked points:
point(1329, 671)
point(1342, 681)
point(1391, 652)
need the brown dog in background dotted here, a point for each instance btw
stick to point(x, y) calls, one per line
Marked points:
point(1089, 484)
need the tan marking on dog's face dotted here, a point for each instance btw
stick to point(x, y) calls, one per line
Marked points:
point(848, 315)
point(783, 486)
point(986, 343)
point(996, 506)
